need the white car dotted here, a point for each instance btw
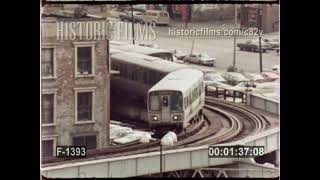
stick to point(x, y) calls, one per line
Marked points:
point(211, 77)
point(150, 45)
point(234, 78)
point(200, 58)
point(276, 69)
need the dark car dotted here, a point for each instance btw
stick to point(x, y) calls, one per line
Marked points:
point(253, 45)
point(129, 18)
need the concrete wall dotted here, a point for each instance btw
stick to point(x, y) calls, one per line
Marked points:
point(65, 84)
point(263, 103)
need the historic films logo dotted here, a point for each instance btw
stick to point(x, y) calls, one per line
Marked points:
point(101, 30)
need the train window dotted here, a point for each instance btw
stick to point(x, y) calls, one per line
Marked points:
point(176, 101)
point(134, 75)
point(154, 103)
point(145, 77)
point(195, 94)
point(165, 101)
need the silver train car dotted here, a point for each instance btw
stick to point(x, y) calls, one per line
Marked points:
point(155, 52)
point(176, 99)
point(138, 72)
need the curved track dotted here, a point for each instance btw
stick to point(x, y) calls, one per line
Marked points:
point(239, 122)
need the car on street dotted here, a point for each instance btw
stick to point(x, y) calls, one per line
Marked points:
point(276, 69)
point(200, 58)
point(234, 78)
point(210, 78)
point(273, 42)
point(270, 75)
point(153, 45)
point(253, 45)
point(254, 76)
point(179, 54)
point(157, 17)
point(129, 18)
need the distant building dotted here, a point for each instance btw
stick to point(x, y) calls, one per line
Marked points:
point(270, 17)
point(75, 90)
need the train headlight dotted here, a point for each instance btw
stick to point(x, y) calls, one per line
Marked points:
point(154, 118)
point(176, 117)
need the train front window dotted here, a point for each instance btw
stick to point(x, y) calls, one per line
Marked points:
point(176, 102)
point(154, 103)
point(165, 101)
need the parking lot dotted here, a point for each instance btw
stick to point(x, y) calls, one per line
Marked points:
point(216, 46)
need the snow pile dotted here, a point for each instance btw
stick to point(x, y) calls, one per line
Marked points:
point(117, 131)
point(169, 139)
point(145, 138)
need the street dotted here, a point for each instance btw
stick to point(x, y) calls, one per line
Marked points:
point(217, 46)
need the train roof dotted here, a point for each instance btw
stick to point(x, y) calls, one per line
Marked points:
point(137, 49)
point(149, 62)
point(179, 80)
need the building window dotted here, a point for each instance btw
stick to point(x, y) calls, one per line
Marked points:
point(47, 148)
point(84, 106)
point(47, 109)
point(89, 141)
point(47, 62)
point(84, 60)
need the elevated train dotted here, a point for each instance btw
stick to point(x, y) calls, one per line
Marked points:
point(176, 99)
point(145, 81)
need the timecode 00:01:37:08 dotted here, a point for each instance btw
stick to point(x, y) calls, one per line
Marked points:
point(235, 151)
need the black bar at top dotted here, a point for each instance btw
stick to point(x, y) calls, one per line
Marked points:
point(162, 2)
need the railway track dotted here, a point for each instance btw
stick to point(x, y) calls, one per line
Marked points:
point(234, 115)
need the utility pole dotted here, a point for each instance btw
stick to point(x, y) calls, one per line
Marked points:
point(260, 27)
point(234, 37)
point(132, 24)
point(161, 160)
point(191, 51)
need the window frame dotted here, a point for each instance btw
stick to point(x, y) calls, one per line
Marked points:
point(46, 92)
point(84, 90)
point(48, 46)
point(79, 45)
point(86, 135)
point(50, 138)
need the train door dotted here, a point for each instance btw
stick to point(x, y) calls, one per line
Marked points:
point(165, 108)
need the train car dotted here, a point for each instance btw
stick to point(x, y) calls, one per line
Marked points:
point(138, 72)
point(176, 99)
point(154, 52)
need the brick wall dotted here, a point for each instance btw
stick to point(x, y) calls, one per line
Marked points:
point(65, 83)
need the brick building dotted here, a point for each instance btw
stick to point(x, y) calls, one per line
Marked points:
point(75, 83)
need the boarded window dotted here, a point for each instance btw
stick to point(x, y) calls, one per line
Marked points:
point(84, 55)
point(89, 141)
point(47, 107)
point(47, 62)
point(85, 106)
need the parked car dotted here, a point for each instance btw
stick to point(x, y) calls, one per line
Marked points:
point(150, 45)
point(270, 76)
point(129, 18)
point(157, 17)
point(254, 76)
point(253, 45)
point(234, 78)
point(276, 69)
point(210, 78)
point(200, 58)
point(273, 42)
point(179, 54)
